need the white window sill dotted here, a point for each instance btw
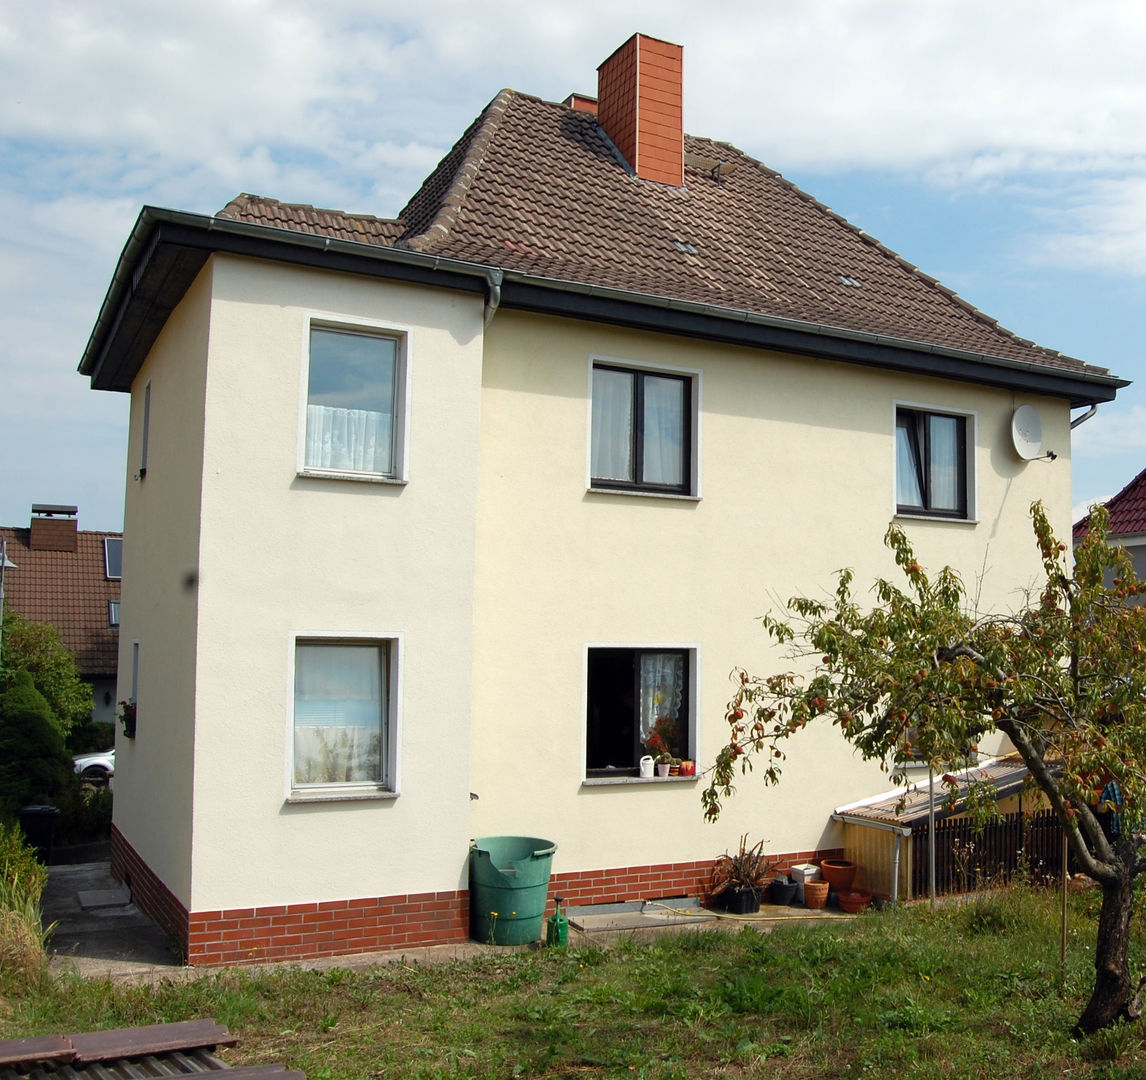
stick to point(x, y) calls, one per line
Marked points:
point(362, 478)
point(900, 516)
point(640, 493)
point(339, 794)
point(626, 781)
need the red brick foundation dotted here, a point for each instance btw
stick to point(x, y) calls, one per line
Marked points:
point(380, 924)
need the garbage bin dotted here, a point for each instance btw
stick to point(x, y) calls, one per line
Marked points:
point(39, 823)
point(509, 884)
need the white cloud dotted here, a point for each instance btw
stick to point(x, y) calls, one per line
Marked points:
point(1113, 430)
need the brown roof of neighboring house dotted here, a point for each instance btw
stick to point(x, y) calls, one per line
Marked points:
point(536, 187)
point(1127, 511)
point(69, 589)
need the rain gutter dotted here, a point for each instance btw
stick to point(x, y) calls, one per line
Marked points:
point(188, 239)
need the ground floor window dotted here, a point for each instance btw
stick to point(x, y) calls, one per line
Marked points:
point(638, 703)
point(342, 712)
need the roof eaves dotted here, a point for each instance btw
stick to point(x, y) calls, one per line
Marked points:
point(203, 235)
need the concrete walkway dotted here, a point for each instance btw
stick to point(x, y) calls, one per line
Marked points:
point(100, 934)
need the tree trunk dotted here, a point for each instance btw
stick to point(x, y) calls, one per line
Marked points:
point(1114, 995)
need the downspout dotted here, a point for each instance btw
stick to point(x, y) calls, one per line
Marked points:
point(493, 280)
point(1084, 417)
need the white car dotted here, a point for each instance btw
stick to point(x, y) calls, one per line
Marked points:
point(97, 768)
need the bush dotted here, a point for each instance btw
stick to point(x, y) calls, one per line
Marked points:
point(34, 767)
point(22, 881)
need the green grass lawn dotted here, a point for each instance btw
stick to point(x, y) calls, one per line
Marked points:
point(971, 990)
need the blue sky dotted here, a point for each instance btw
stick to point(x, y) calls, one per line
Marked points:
point(1001, 147)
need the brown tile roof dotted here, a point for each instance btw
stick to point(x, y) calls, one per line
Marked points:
point(535, 187)
point(1127, 510)
point(70, 590)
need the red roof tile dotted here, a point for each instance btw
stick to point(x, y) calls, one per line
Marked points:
point(536, 187)
point(70, 590)
point(1127, 510)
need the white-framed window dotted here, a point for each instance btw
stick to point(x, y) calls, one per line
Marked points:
point(640, 699)
point(355, 389)
point(933, 462)
point(113, 613)
point(643, 429)
point(113, 557)
point(343, 734)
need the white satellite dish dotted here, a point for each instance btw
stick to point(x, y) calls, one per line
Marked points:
point(1027, 432)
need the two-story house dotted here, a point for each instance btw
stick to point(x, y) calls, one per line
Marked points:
point(432, 521)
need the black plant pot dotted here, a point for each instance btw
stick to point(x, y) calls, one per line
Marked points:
point(741, 901)
point(782, 891)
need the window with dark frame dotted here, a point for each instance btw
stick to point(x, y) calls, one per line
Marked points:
point(642, 430)
point(113, 557)
point(638, 702)
point(930, 463)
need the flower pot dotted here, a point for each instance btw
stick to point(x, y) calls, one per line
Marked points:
point(838, 873)
point(815, 894)
point(782, 891)
point(741, 901)
point(674, 770)
point(854, 900)
point(688, 768)
point(662, 769)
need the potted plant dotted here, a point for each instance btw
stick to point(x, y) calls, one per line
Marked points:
point(127, 718)
point(664, 763)
point(740, 878)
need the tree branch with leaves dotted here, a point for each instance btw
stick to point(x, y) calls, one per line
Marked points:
point(916, 673)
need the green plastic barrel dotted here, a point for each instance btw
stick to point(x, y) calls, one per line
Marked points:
point(509, 883)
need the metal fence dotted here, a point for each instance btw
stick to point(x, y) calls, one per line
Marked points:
point(970, 856)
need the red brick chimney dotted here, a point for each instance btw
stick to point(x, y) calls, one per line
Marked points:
point(639, 95)
point(53, 528)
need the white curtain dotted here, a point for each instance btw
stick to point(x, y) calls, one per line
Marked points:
point(663, 428)
point(612, 425)
point(357, 440)
point(339, 713)
point(944, 462)
point(662, 690)
point(907, 489)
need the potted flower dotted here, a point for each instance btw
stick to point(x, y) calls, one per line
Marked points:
point(127, 718)
point(740, 878)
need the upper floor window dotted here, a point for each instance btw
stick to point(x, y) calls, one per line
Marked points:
point(642, 430)
point(113, 613)
point(930, 463)
point(113, 557)
point(352, 423)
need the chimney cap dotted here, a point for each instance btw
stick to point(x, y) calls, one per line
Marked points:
point(51, 509)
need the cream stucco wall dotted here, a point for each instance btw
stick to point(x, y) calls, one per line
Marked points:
point(153, 783)
point(284, 555)
point(797, 480)
point(495, 569)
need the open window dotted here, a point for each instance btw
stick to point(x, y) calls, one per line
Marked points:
point(638, 702)
point(931, 463)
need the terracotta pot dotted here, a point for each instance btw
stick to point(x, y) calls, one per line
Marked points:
point(838, 873)
point(815, 894)
point(854, 900)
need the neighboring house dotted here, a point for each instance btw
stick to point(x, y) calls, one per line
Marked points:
point(70, 578)
point(1127, 522)
point(473, 500)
